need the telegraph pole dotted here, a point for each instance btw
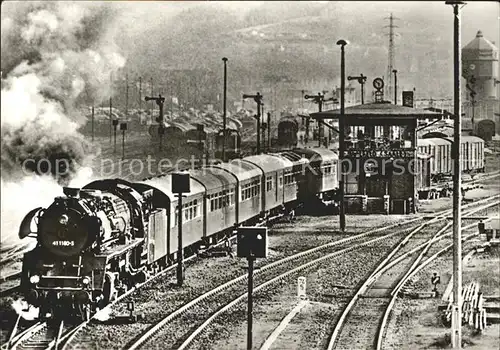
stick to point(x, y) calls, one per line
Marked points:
point(151, 106)
point(93, 123)
point(140, 94)
point(258, 99)
point(456, 319)
point(395, 71)
point(224, 111)
point(361, 80)
point(263, 127)
point(319, 100)
point(110, 105)
point(342, 44)
point(126, 95)
point(268, 131)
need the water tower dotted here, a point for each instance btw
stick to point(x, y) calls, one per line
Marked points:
point(480, 67)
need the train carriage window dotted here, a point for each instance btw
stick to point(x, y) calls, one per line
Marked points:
point(269, 183)
point(281, 181)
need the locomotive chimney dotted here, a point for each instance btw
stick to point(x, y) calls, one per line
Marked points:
point(71, 192)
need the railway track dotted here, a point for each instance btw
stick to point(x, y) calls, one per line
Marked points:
point(69, 336)
point(206, 308)
point(43, 335)
point(374, 300)
point(33, 333)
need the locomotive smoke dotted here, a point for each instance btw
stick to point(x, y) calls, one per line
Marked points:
point(26, 311)
point(55, 55)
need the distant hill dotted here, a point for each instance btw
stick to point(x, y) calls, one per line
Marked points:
point(298, 42)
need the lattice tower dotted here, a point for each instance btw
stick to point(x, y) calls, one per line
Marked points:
point(391, 64)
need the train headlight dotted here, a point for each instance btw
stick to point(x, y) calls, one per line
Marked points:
point(63, 220)
point(35, 279)
point(86, 280)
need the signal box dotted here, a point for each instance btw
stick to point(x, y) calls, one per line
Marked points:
point(252, 242)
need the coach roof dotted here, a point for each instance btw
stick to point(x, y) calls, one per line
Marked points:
point(164, 183)
point(213, 178)
point(269, 163)
point(242, 170)
point(317, 154)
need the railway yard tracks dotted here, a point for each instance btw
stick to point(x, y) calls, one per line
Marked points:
point(201, 309)
point(187, 318)
point(364, 319)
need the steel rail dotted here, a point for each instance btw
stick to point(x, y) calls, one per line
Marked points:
point(374, 276)
point(152, 331)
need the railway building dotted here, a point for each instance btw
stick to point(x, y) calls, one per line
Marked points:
point(383, 168)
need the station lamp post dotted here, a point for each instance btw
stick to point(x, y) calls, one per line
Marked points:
point(342, 44)
point(224, 117)
point(456, 318)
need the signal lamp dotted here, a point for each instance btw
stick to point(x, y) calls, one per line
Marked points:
point(35, 279)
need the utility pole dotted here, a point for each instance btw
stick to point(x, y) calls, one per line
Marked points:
point(263, 128)
point(126, 96)
point(391, 63)
point(159, 101)
point(268, 131)
point(115, 125)
point(93, 123)
point(342, 44)
point(140, 94)
point(151, 106)
point(456, 318)
point(180, 185)
point(395, 71)
point(258, 99)
point(110, 106)
point(224, 112)
point(123, 127)
point(361, 80)
point(319, 100)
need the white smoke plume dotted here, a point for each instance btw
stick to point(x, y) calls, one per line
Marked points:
point(54, 56)
point(103, 315)
point(26, 311)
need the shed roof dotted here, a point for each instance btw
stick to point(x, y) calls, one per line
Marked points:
point(377, 110)
point(181, 126)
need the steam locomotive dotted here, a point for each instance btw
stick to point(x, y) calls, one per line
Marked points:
point(96, 242)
